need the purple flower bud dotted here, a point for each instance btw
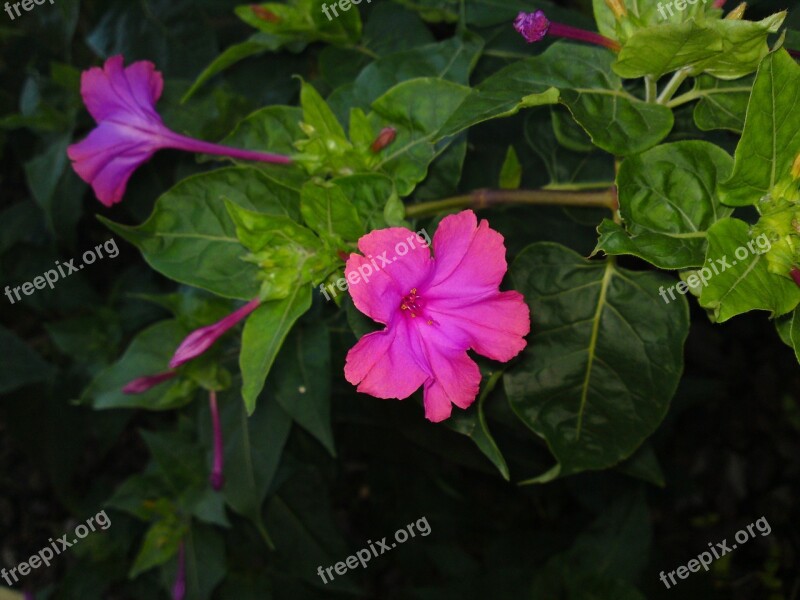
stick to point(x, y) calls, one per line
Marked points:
point(217, 478)
point(532, 26)
point(179, 587)
point(202, 339)
point(142, 384)
point(795, 274)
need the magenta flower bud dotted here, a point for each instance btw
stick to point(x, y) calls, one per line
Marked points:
point(532, 26)
point(719, 3)
point(142, 384)
point(217, 478)
point(385, 137)
point(202, 339)
point(535, 26)
point(179, 587)
point(795, 274)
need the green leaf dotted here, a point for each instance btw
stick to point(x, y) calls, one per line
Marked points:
point(511, 171)
point(579, 77)
point(160, 544)
point(191, 238)
point(666, 48)
point(723, 103)
point(287, 253)
point(326, 210)
point(303, 21)
point(272, 129)
point(263, 336)
point(472, 423)
point(794, 333)
point(771, 138)
point(668, 200)
point(744, 282)
point(301, 382)
point(744, 44)
point(417, 108)
point(148, 354)
point(253, 449)
point(205, 561)
point(370, 193)
point(613, 357)
point(452, 59)
point(20, 366)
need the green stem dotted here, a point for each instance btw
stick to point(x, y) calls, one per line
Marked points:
point(576, 187)
point(485, 198)
point(650, 89)
point(674, 84)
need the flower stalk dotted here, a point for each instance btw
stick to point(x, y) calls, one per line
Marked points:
point(486, 198)
point(217, 478)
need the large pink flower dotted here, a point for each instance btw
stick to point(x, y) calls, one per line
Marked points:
point(434, 309)
point(129, 130)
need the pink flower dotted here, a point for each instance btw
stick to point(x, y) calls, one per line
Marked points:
point(202, 339)
point(434, 309)
point(129, 130)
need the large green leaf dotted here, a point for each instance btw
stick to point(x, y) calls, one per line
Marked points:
point(417, 108)
point(263, 336)
point(666, 48)
point(743, 282)
point(451, 59)
point(191, 238)
point(253, 448)
point(581, 78)
point(301, 381)
point(603, 361)
point(771, 138)
point(744, 44)
point(668, 200)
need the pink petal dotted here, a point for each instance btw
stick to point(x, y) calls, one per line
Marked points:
point(383, 363)
point(494, 326)
point(470, 258)
point(400, 254)
point(374, 292)
point(455, 379)
point(114, 91)
point(107, 158)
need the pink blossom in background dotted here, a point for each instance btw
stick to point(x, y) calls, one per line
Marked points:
point(434, 309)
point(129, 130)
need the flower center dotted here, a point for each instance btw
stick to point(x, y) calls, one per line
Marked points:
point(412, 303)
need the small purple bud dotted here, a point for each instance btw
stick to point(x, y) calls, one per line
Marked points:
point(795, 273)
point(179, 587)
point(142, 384)
point(29, 595)
point(532, 26)
point(202, 339)
point(217, 478)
